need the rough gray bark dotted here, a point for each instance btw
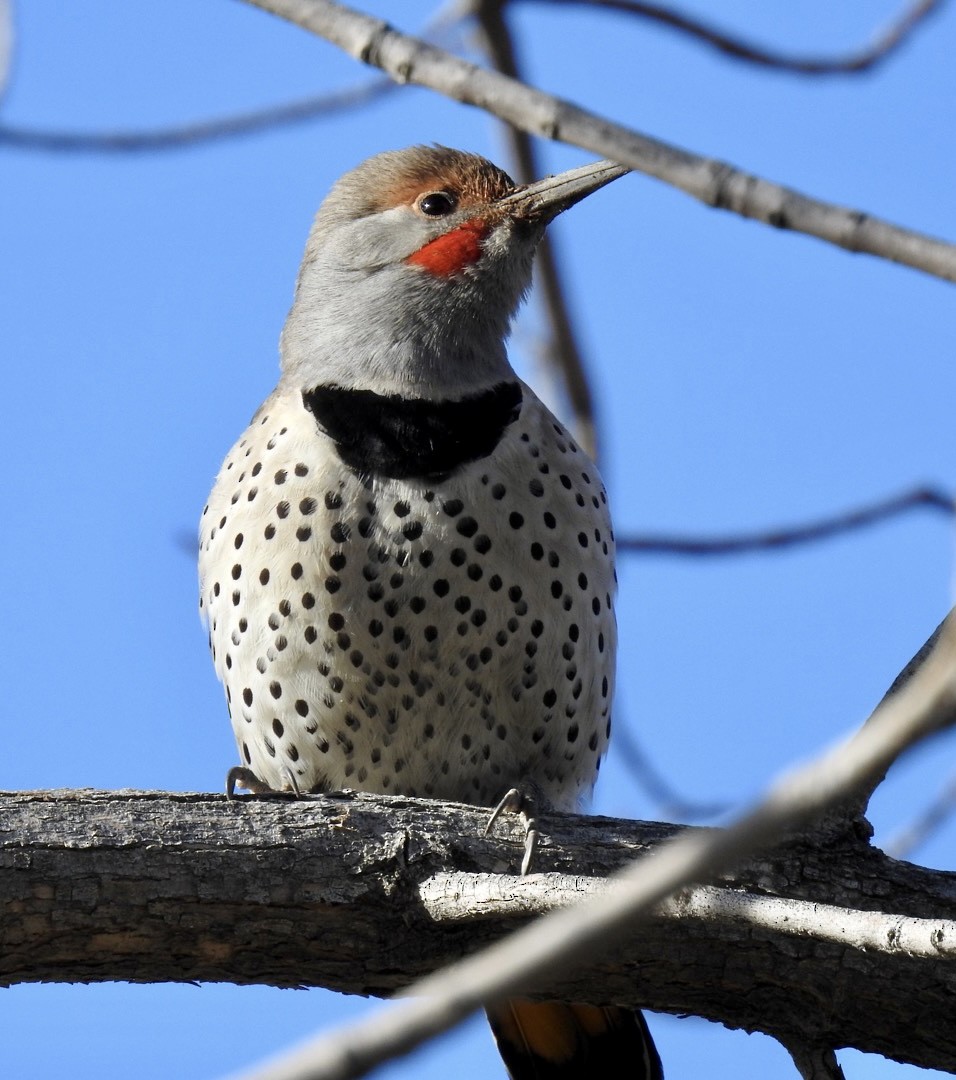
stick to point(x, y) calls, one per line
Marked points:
point(328, 891)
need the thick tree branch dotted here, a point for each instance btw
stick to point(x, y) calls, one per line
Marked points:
point(362, 893)
point(714, 182)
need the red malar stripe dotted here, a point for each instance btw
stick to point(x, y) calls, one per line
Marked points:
point(453, 251)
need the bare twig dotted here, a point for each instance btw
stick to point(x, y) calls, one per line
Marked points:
point(914, 835)
point(715, 183)
point(923, 706)
point(6, 45)
point(882, 45)
point(673, 805)
point(564, 353)
point(769, 540)
point(912, 666)
point(853, 808)
point(182, 136)
point(456, 897)
point(791, 536)
point(932, 939)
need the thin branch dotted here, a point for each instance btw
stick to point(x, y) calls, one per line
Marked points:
point(769, 540)
point(553, 944)
point(914, 835)
point(672, 805)
point(563, 350)
point(932, 939)
point(853, 808)
point(183, 136)
point(883, 44)
point(454, 897)
point(913, 665)
point(6, 45)
point(715, 183)
point(790, 536)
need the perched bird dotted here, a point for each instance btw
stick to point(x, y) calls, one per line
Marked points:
point(407, 564)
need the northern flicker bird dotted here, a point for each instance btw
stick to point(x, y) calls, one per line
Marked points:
point(407, 563)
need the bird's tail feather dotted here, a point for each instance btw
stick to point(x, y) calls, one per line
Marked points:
point(554, 1040)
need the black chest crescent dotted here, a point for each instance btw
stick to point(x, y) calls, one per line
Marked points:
point(399, 437)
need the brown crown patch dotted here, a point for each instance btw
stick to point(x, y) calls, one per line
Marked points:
point(398, 177)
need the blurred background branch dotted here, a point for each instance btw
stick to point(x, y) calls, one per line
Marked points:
point(884, 42)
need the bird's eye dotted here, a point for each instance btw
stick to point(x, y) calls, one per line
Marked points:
point(437, 203)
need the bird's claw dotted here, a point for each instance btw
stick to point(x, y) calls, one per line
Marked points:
point(240, 776)
point(521, 803)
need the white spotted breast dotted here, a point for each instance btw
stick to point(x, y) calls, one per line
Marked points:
point(447, 637)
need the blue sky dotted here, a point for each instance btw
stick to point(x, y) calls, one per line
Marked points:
point(745, 378)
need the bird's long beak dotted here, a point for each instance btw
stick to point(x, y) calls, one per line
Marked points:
point(542, 201)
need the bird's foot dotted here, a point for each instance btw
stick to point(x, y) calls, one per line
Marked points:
point(240, 776)
point(519, 802)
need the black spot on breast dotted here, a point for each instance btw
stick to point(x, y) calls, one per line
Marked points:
point(401, 437)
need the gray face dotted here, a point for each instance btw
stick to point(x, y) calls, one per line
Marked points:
point(420, 331)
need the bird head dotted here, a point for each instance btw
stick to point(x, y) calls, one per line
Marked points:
point(413, 270)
